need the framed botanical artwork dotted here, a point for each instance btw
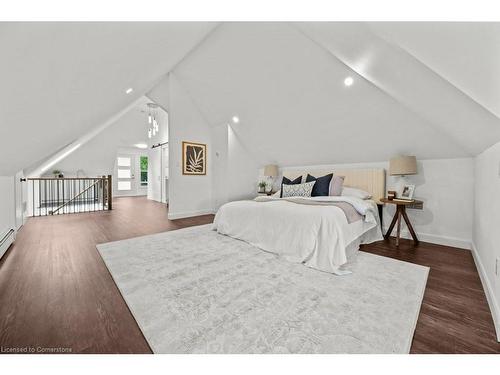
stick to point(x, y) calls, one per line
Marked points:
point(194, 158)
point(406, 192)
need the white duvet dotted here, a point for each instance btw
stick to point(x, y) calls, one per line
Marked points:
point(303, 230)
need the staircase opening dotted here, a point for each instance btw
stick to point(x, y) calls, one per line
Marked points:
point(56, 196)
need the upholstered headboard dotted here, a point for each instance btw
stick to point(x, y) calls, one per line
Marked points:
point(371, 180)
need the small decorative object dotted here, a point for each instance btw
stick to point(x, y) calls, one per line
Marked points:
point(194, 158)
point(391, 194)
point(262, 186)
point(407, 192)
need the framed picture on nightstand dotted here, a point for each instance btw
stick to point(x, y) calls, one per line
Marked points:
point(406, 192)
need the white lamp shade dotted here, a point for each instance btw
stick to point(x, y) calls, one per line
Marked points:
point(403, 165)
point(271, 170)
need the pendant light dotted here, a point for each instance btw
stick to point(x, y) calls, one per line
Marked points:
point(153, 125)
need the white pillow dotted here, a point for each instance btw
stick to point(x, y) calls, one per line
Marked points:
point(353, 192)
point(298, 190)
point(277, 194)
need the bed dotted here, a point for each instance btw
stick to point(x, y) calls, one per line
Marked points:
point(323, 233)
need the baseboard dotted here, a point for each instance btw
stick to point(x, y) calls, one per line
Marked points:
point(7, 239)
point(183, 215)
point(115, 195)
point(488, 290)
point(438, 240)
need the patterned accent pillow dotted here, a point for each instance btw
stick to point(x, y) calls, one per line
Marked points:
point(287, 181)
point(298, 190)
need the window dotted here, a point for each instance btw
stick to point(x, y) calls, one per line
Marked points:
point(144, 170)
point(123, 162)
point(124, 185)
point(124, 173)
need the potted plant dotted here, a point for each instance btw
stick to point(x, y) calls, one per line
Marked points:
point(57, 173)
point(262, 187)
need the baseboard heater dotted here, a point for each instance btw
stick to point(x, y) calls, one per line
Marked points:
point(5, 242)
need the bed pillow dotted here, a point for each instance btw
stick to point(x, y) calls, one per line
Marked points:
point(353, 192)
point(287, 181)
point(336, 186)
point(297, 190)
point(322, 186)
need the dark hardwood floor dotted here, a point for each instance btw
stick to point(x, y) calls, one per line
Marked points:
point(454, 317)
point(55, 291)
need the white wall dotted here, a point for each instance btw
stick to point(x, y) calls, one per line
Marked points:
point(189, 195)
point(21, 192)
point(219, 154)
point(445, 186)
point(486, 233)
point(240, 184)
point(7, 205)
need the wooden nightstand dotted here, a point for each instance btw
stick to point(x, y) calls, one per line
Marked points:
point(401, 211)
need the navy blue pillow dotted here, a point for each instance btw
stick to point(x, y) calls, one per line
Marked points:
point(287, 181)
point(322, 186)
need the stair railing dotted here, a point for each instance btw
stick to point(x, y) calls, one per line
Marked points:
point(56, 196)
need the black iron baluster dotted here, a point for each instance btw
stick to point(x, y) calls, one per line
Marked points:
point(102, 194)
point(33, 193)
point(86, 196)
point(44, 194)
point(79, 197)
point(51, 194)
point(62, 197)
point(57, 194)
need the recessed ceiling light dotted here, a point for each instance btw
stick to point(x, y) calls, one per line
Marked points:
point(129, 90)
point(236, 119)
point(141, 145)
point(348, 81)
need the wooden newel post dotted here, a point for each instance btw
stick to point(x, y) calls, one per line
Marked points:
point(110, 192)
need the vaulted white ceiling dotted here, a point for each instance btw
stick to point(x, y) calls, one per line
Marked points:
point(59, 80)
point(465, 54)
point(285, 81)
point(429, 89)
point(97, 156)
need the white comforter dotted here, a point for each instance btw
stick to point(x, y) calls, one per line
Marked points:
point(316, 235)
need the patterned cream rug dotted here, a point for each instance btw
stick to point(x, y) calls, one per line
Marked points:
point(195, 291)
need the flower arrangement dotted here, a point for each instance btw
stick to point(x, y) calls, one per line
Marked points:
point(262, 186)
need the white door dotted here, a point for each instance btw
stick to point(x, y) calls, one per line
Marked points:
point(125, 184)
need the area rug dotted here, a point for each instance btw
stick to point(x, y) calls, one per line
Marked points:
point(195, 291)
